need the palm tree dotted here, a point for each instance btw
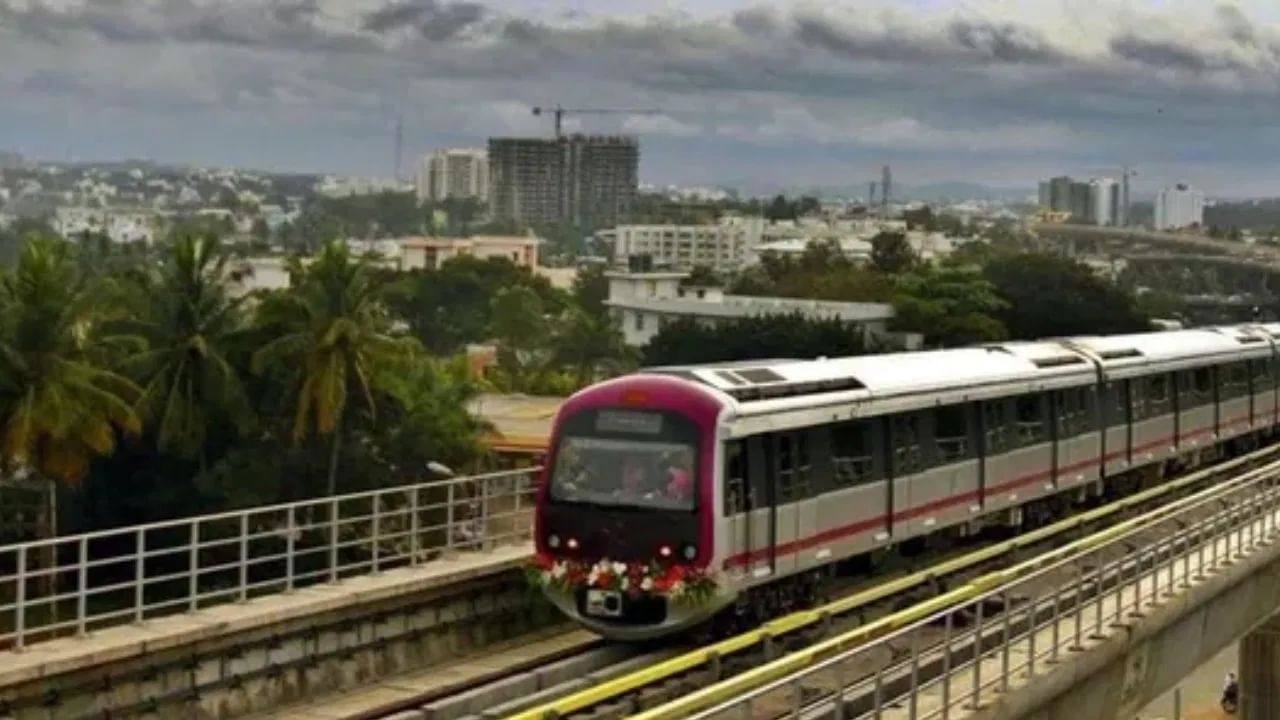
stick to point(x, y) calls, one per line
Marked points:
point(59, 407)
point(335, 339)
point(188, 320)
point(588, 343)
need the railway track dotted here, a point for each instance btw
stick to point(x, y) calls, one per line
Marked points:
point(948, 656)
point(612, 681)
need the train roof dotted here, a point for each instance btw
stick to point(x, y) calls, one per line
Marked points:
point(1173, 347)
point(894, 373)
point(1058, 361)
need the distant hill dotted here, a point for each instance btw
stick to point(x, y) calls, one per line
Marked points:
point(954, 191)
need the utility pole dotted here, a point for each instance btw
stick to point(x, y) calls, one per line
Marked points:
point(886, 185)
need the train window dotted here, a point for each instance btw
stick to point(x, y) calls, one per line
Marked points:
point(1235, 380)
point(951, 433)
point(1030, 413)
point(786, 467)
point(995, 421)
point(905, 440)
point(1261, 372)
point(1159, 400)
point(852, 453)
point(1117, 404)
point(736, 490)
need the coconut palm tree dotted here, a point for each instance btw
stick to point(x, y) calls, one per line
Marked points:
point(188, 320)
point(335, 340)
point(60, 407)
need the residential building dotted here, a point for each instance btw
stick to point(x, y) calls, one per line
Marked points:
point(431, 252)
point(122, 226)
point(1179, 207)
point(1104, 201)
point(589, 181)
point(461, 173)
point(642, 300)
point(725, 246)
point(11, 160)
point(336, 187)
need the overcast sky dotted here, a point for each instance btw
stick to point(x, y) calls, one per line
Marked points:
point(995, 91)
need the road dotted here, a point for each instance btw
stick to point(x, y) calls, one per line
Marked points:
point(1200, 692)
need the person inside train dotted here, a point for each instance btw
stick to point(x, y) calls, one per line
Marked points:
point(680, 477)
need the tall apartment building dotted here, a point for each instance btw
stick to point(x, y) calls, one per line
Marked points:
point(454, 173)
point(1098, 202)
point(1179, 207)
point(586, 180)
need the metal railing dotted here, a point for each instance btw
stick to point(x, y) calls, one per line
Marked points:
point(75, 584)
point(939, 662)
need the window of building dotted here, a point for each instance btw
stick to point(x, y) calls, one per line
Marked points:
point(639, 322)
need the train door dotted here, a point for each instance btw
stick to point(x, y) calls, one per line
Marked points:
point(789, 478)
point(748, 509)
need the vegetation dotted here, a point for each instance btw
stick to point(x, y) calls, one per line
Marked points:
point(687, 341)
point(141, 387)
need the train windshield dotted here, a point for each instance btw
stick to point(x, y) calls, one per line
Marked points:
point(626, 459)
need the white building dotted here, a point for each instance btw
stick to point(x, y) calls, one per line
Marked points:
point(1104, 201)
point(728, 245)
point(336, 187)
point(454, 173)
point(122, 226)
point(642, 302)
point(1179, 207)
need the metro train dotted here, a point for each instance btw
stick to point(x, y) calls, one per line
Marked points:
point(680, 495)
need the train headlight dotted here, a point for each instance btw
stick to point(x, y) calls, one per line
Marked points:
point(573, 543)
point(690, 552)
point(665, 551)
point(553, 541)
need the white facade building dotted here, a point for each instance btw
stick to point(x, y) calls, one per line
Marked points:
point(642, 302)
point(1104, 201)
point(1179, 207)
point(727, 245)
point(122, 226)
point(454, 173)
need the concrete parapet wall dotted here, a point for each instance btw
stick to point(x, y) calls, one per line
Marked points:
point(1151, 654)
point(208, 666)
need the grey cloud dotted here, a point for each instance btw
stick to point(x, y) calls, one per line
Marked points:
point(1003, 42)
point(1161, 54)
point(436, 21)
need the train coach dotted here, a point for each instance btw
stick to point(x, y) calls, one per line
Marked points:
point(675, 496)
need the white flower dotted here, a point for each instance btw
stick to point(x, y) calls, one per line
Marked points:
point(593, 576)
point(677, 589)
point(646, 584)
point(558, 570)
point(625, 582)
point(619, 568)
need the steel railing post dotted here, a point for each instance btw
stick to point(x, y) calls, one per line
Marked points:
point(413, 526)
point(20, 601)
point(82, 594)
point(333, 540)
point(243, 595)
point(193, 567)
point(291, 549)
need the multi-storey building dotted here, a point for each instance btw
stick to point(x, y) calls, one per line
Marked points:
point(122, 226)
point(460, 173)
point(589, 181)
point(725, 246)
point(1179, 207)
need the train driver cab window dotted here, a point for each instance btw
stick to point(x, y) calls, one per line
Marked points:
point(626, 458)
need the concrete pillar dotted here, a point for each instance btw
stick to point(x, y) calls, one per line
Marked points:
point(1259, 673)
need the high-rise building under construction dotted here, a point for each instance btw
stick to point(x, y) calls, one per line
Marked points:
point(589, 181)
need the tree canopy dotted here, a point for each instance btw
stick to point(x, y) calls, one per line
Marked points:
point(687, 341)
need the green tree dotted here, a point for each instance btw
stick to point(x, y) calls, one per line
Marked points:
point(950, 306)
point(520, 327)
point(336, 337)
point(688, 341)
point(1049, 296)
point(892, 254)
point(432, 419)
point(703, 276)
point(60, 407)
point(591, 290)
point(589, 343)
point(183, 312)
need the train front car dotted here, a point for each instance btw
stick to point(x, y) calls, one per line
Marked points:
point(625, 518)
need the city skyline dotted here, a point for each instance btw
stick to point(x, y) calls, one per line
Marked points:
point(796, 94)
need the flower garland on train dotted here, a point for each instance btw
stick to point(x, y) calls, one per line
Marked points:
point(680, 583)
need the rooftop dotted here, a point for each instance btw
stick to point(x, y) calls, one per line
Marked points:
point(740, 306)
point(521, 423)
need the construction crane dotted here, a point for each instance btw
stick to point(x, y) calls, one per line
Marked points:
point(560, 112)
